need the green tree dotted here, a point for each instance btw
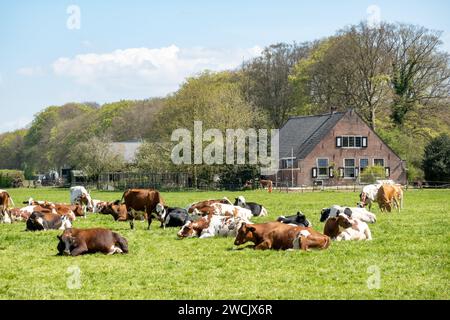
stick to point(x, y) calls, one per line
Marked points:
point(436, 162)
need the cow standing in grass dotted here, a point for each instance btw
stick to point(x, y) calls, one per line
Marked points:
point(5, 201)
point(142, 200)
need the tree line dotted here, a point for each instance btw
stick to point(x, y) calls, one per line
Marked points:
point(396, 76)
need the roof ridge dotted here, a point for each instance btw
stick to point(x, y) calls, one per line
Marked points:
point(316, 115)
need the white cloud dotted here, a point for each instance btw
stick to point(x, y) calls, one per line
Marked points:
point(161, 69)
point(12, 125)
point(30, 71)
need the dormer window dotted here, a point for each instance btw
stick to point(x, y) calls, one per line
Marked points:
point(351, 142)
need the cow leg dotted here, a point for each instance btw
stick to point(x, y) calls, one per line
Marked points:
point(132, 223)
point(82, 248)
point(263, 245)
point(149, 221)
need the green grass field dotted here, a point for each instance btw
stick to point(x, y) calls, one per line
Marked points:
point(410, 250)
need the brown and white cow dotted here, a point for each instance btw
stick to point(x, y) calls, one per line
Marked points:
point(142, 200)
point(344, 228)
point(80, 241)
point(5, 201)
point(280, 236)
point(204, 207)
point(46, 221)
point(211, 226)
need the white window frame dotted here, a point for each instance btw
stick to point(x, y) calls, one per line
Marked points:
point(354, 167)
point(354, 136)
point(328, 168)
point(285, 159)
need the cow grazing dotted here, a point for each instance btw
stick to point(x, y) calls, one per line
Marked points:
point(5, 201)
point(211, 226)
point(79, 195)
point(142, 200)
point(47, 221)
point(266, 184)
point(255, 208)
point(75, 242)
point(173, 217)
point(280, 236)
point(353, 212)
point(344, 228)
point(299, 219)
point(368, 195)
point(388, 197)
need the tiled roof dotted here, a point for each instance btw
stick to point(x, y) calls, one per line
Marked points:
point(300, 135)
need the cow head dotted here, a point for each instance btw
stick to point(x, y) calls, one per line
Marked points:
point(301, 218)
point(194, 228)
point(161, 212)
point(239, 201)
point(244, 234)
point(324, 214)
point(66, 242)
point(343, 221)
point(187, 231)
point(65, 223)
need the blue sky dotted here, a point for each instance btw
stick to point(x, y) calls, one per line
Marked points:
point(140, 49)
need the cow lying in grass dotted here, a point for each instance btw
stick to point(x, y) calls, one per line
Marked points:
point(352, 212)
point(174, 217)
point(80, 241)
point(280, 236)
point(47, 221)
point(211, 226)
point(343, 228)
point(204, 207)
point(299, 219)
point(256, 209)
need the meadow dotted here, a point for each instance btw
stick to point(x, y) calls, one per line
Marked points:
point(409, 255)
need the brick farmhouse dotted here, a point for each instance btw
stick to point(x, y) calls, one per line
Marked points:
point(333, 149)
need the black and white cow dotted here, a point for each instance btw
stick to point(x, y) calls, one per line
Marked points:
point(299, 219)
point(351, 212)
point(173, 217)
point(46, 221)
point(255, 208)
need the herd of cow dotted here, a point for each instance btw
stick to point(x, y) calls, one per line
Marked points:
point(208, 218)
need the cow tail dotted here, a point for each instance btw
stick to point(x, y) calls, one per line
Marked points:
point(11, 200)
point(123, 196)
point(121, 242)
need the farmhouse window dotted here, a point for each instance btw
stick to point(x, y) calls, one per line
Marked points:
point(363, 163)
point(349, 168)
point(351, 142)
point(378, 162)
point(322, 165)
point(287, 163)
